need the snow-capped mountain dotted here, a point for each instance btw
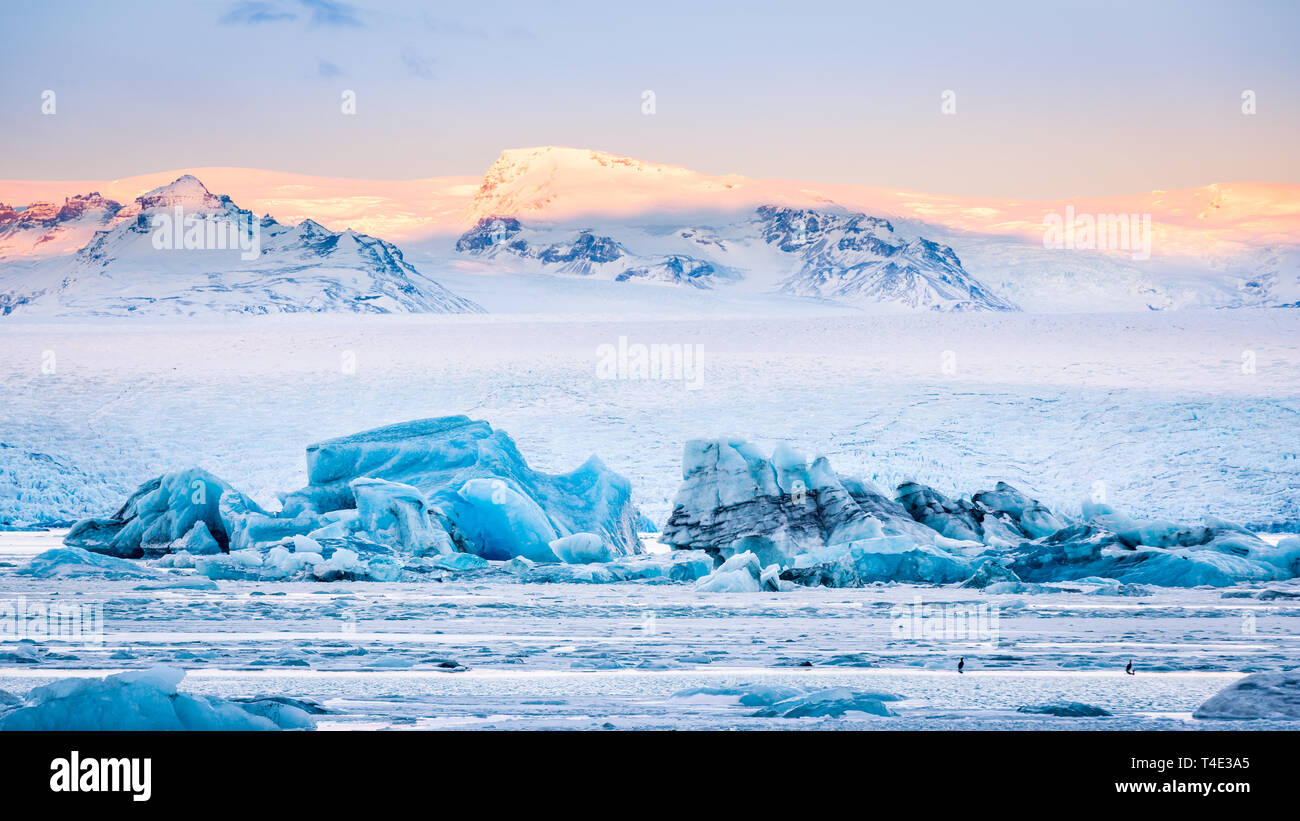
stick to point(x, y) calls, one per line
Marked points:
point(583, 216)
point(825, 254)
point(858, 259)
point(579, 212)
point(583, 253)
point(1273, 277)
point(179, 249)
point(48, 229)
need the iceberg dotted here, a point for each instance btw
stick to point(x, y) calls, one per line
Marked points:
point(835, 702)
point(746, 695)
point(1261, 695)
point(159, 513)
point(148, 700)
point(1115, 547)
point(733, 500)
point(1064, 709)
point(433, 487)
point(477, 486)
point(823, 529)
point(989, 573)
point(74, 562)
point(742, 573)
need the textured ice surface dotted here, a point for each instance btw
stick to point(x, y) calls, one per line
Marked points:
point(571, 655)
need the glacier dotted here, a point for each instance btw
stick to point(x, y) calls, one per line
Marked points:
point(100, 258)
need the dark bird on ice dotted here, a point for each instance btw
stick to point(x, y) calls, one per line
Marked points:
point(961, 665)
point(1129, 668)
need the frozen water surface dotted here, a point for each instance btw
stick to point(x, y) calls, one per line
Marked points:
point(483, 651)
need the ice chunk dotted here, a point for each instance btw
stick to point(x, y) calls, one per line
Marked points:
point(249, 526)
point(888, 558)
point(344, 564)
point(461, 561)
point(147, 700)
point(581, 548)
point(1261, 695)
point(158, 513)
point(739, 574)
point(396, 514)
point(1110, 546)
point(690, 565)
point(74, 562)
point(502, 523)
point(198, 541)
point(1030, 517)
point(573, 574)
point(834, 702)
point(1064, 709)
point(284, 713)
point(746, 695)
point(988, 573)
point(519, 566)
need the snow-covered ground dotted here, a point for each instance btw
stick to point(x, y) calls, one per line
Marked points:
point(1175, 415)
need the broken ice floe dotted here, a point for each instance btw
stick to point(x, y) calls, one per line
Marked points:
point(786, 702)
point(146, 700)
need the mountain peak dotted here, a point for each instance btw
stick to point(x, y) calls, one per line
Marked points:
point(563, 156)
point(544, 178)
point(183, 191)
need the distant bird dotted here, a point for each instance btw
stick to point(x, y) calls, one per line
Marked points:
point(1129, 667)
point(961, 665)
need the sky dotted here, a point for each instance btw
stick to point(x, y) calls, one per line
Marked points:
point(1052, 99)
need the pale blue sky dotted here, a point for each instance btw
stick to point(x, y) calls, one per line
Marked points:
point(1053, 99)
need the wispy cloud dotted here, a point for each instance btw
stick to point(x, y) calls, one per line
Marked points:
point(256, 12)
point(333, 13)
point(326, 69)
point(319, 13)
point(417, 64)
